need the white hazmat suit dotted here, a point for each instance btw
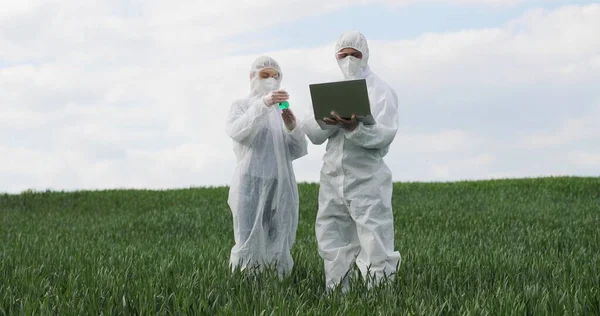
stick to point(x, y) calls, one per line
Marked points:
point(354, 222)
point(263, 197)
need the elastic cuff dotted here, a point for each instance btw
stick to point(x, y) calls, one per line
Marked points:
point(285, 128)
point(350, 134)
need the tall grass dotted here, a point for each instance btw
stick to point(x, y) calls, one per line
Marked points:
point(504, 247)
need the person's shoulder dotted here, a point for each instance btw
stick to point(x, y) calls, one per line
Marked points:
point(381, 85)
point(378, 81)
point(242, 102)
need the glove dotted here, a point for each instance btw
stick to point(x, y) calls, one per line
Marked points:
point(275, 97)
point(289, 119)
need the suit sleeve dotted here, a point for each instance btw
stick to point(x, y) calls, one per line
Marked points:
point(243, 124)
point(296, 142)
point(382, 133)
point(314, 132)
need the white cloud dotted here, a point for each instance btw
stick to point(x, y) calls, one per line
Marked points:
point(102, 95)
point(444, 141)
point(476, 167)
point(537, 47)
point(156, 32)
point(495, 3)
point(577, 129)
point(587, 159)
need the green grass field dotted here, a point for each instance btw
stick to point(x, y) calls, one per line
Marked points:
point(505, 247)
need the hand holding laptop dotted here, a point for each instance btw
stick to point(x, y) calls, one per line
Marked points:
point(337, 120)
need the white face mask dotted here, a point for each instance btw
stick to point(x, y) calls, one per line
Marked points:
point(262, 87)
point(350, 67)
point(267, 85)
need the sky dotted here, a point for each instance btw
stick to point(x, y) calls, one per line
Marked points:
point(135, 94)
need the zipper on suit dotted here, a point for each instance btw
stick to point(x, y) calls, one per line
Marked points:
point(340, 167)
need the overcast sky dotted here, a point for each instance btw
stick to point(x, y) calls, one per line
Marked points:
point(134, 94)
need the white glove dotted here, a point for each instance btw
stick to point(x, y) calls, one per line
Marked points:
point(275, 97)
point(289, 119)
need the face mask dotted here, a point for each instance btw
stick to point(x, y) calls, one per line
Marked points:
point(267, 85)
point(350, 67)
point(264, 86)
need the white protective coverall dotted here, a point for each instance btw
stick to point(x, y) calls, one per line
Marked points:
point(263, 196)
point(354, 222)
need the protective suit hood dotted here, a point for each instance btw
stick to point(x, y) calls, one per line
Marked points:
point(351, 67)
point(260, 87)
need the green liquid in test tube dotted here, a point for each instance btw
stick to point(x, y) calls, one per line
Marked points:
point(284, 105)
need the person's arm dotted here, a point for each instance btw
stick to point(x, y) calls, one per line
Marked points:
point(314, 132)
point(243, 125)
point(296, 142)
point(382, 133)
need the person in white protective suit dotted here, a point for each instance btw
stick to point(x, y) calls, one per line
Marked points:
point(354, 222)
point(263, 196)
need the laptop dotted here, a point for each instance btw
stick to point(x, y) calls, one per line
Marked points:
point(344, 98)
